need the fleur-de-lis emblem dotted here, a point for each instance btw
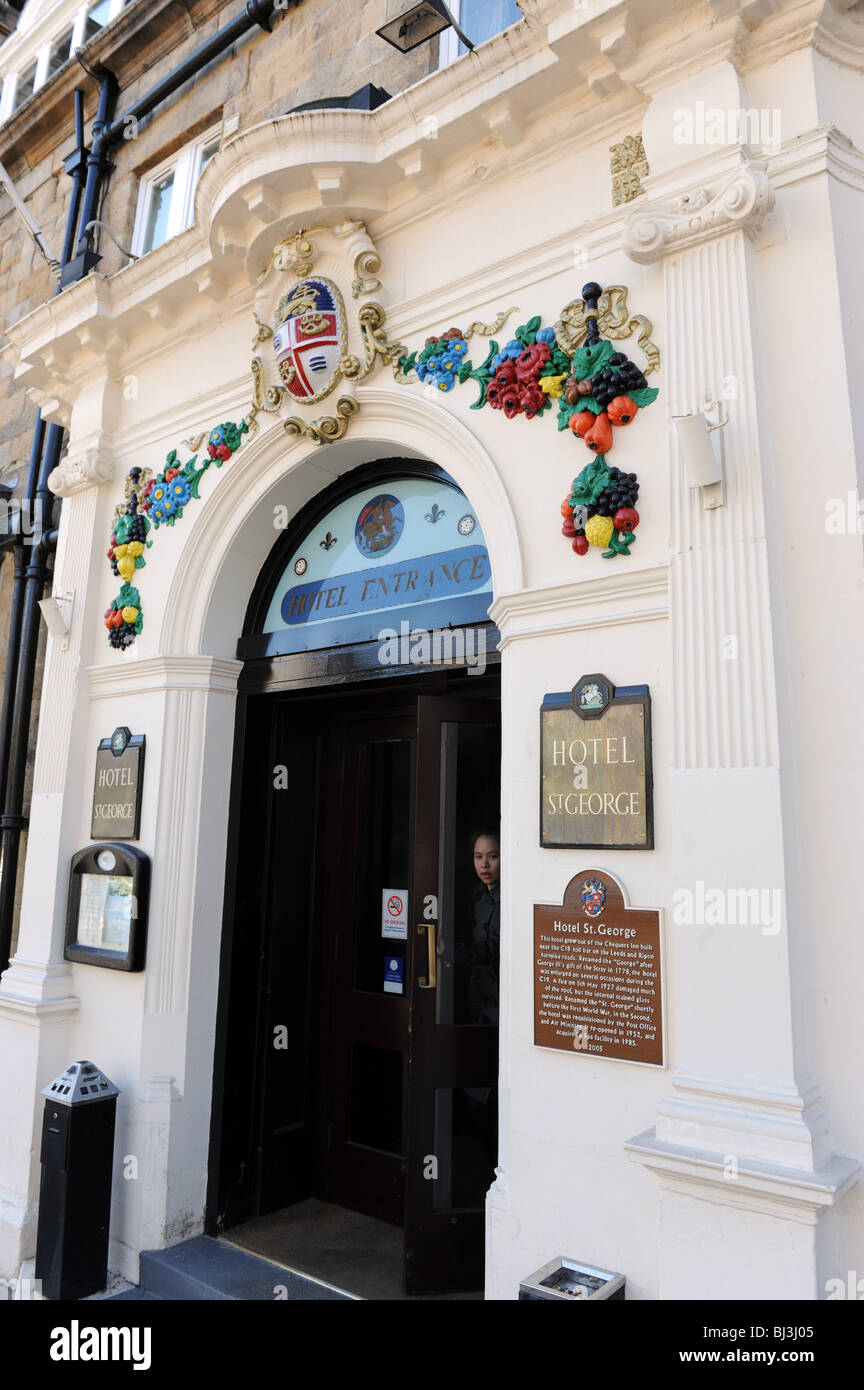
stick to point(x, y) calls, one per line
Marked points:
point(435, 514)
point(328, 542)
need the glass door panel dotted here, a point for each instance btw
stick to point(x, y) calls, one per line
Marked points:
point(366, 902)
point(453, 1059)
point(382, 880)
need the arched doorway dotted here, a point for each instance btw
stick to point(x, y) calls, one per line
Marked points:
point(356, 1066)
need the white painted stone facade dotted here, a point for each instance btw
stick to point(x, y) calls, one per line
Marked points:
point(744, 261)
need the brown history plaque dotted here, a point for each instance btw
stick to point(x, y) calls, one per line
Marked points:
point(596, 782)
point(597, 973)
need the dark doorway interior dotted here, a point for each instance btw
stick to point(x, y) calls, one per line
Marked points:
point(356, 1072)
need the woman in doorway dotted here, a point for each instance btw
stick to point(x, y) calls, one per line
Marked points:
point(479, 1116)
point(484, 949)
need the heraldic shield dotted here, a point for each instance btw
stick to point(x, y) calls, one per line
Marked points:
point(310, 338)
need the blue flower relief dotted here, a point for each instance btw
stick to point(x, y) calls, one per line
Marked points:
point(179, 490)
point(546, 335)
point(162, 504)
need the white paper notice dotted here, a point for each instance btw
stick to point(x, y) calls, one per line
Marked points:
point(394, 913)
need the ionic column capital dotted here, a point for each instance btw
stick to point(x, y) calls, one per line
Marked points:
point(742, 200)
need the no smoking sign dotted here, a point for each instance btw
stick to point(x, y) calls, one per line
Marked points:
point(394, 913)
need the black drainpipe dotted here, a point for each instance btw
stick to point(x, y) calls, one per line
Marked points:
point(20, 673)
point(107, 133)
point(28, 587)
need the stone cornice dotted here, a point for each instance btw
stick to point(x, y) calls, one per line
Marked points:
point(35, 993)
point(324, 167)
point(742, 200)
point(157, 674)
point(792, 1194)
point(639, 595)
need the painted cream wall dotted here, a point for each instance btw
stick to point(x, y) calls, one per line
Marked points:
point(614, 1163)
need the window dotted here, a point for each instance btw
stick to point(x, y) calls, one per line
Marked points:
point(479, 20)
point(59, 53)
point(96, 18)
point(25, 85)
point(40, 66)
point(166, 201)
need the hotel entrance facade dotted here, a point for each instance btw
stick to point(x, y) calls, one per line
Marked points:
point(454, 485)
point(360, 1014)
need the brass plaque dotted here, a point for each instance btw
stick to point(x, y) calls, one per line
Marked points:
point(117, 786)
point(597, 973)
point(595, 783)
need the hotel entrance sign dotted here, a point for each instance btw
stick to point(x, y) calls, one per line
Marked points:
point(117, 787)
point(596, 783)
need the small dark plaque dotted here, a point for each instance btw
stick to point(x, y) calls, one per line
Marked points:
point(597, 973)
point(117, 787)
point(596, 783)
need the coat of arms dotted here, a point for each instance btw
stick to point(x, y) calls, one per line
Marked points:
point(593, 895)
point(310, 338)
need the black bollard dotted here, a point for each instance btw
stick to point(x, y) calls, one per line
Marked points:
point(75, 1192)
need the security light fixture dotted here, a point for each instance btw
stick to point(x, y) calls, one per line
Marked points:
point(420, 23)
point(56, 620)
point(703, 463)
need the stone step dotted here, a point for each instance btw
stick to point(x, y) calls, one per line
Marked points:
point(207, 1269)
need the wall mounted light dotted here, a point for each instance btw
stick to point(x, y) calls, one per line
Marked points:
point(56, 619)
point(418, 24)
point(702, 459)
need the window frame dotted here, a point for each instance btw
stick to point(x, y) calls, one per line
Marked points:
point(448, 42)
point(74, 20)
point(186, 165)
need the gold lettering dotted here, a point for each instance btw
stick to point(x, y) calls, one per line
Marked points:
point(475, 572)
point(456, 568)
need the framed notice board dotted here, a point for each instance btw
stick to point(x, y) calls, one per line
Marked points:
point(106, 912)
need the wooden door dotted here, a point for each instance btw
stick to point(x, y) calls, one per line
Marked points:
point(453, 1055)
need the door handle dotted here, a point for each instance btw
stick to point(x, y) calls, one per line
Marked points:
point(430, 980)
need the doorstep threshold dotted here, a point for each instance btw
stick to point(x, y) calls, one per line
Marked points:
point(290, 1269)
point(208, 1269)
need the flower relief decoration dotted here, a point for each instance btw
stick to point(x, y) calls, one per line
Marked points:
point(316, 347)
point(596, 390)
